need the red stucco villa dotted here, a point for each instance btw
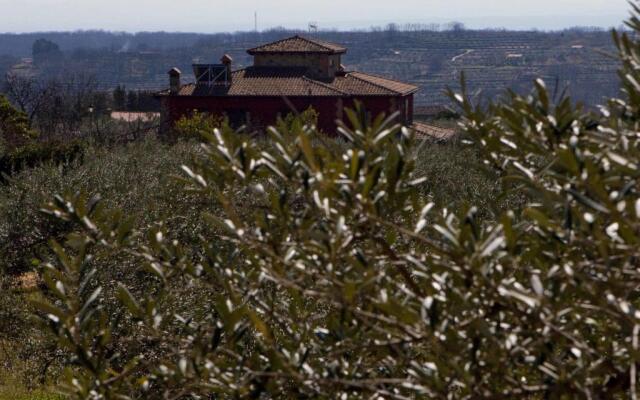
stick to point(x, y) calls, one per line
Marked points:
point(288, 75)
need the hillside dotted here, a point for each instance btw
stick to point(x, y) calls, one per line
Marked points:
point(491, 60)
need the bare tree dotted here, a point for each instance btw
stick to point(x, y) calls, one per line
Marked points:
point(68, 102)
point(56, 107)
point(27, 93)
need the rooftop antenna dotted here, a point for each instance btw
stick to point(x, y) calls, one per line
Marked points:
point(313, 27)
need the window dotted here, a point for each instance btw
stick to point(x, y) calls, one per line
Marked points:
point(331, 62)
point(237, 118)
point(283, 114)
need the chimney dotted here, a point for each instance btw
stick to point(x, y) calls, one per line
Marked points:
point(174, 80)
point(227, 61)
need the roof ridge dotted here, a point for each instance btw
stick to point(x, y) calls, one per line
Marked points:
point(319, 42)
point(323, 46)
point(326, 85)
point(270, 43)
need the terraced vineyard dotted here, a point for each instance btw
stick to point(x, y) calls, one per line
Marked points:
point(494, 61)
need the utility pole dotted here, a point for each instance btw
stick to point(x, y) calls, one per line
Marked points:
point(256, 21)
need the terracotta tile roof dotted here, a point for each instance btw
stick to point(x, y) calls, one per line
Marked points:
point(281, 81)
point(132, 116)
point(433, 132)
point(359, 87)
point(360, 84)
point(298, 44)
point(394, 86)
point(265, 81)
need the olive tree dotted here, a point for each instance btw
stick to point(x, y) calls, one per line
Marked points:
point(14, 127)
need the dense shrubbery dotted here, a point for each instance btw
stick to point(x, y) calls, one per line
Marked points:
point(14, 127)
point(132, 177)
point(135, 179)
point(34, 153)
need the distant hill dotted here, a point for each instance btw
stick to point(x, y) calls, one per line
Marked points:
point(491, 60)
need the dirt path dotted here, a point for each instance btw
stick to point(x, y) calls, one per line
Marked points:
point(462, 55)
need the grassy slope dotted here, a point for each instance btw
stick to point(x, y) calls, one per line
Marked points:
point(18, 392)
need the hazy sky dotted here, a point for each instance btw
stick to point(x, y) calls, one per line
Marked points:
point(217, 15)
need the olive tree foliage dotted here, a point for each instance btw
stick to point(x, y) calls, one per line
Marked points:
point(14, 127)
point(333, 278)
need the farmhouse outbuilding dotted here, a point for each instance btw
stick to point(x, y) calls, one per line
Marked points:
point(288, 75)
